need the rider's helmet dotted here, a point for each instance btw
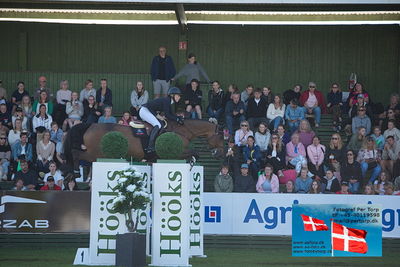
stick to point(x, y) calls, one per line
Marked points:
point(174, 91)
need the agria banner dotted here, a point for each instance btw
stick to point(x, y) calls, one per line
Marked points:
point(271, 214)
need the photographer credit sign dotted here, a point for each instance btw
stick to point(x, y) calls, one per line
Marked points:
point(105, 224)
point(171, 213)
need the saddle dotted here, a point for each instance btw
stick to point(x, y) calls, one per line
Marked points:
point(143, 129)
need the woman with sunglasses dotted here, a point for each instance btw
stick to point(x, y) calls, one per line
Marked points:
point(370, 159)
point(351, 171)
point(242, 134)
point(335, 106)
point(335, 153)
point(276, 152)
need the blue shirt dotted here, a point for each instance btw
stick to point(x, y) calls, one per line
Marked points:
point(111, 119)
point(303, 186)
point(293, 114)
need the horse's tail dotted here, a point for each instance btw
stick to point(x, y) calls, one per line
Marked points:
point(68, 147)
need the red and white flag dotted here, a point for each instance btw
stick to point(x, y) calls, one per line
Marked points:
point(348, 239)
point(312, 224)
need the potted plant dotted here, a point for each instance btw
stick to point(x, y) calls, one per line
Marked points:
point(132, 196)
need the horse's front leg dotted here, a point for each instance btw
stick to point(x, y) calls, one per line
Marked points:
point(188, 153)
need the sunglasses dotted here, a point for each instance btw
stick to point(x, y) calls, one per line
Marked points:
point(349, 154)
point(2, 138)
point(311, 86)
point(362, 110)
point(334, 138)
point(244, 125)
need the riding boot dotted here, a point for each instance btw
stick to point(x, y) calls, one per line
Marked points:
point(152, 139)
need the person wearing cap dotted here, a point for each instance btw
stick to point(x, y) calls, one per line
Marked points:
point(361, 120)
point(244, 183)
point(358, 89)
point(223, 181)
point(361, 103)
point(162, 70)
point(313, 102)
point(344, 188)
point(192, 70)
point(149, 111)
point(50, 185)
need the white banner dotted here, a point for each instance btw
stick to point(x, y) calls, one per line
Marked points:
point(170, 230)
point(105, 224)
point(196, 211)
point(271, 214)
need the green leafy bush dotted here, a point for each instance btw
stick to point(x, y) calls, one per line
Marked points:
point(114, 145)
point(169, 146)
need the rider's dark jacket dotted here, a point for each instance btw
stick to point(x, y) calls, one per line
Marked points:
point(162, 104)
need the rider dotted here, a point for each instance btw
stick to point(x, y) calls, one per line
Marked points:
point(164, 104)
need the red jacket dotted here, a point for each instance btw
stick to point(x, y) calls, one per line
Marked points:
point(46, 188)
point(318, 95)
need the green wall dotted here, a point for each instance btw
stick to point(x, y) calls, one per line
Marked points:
point(279, 56)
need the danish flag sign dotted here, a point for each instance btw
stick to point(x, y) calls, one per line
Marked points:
point(348, 239)
point(313, 224)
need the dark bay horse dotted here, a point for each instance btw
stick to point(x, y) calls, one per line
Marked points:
point(190, 130)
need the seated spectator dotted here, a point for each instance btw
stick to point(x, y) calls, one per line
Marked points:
point(256, 109)
point(42, 87)
point(378, 137)
point(390, 156)
point(394, 103)
point(234, 112)
point(315, 187)
point(361, 103)
point(276, 153)
point(17, 95)
point(357, 140)
point(303, 182)
point(19, 185)
point(70, 183)
point(139, 97)
point(193, 97)
point(63, 97)
point(50, 185)
point(104, 95)
point(29, 176)
point(268, 182)
point(389, 189)
point(91, 112)
point(74, 110)
point(56, 134)
point(247, 94)
point(334, 106)
point(392, 131)
point(242, 134)
point(233, 157)
point(5, 156)
point(361, 120)
point(379, 184)
point(215, 107)
point(252, 156)
point(125, 119)
point(14, 134)
point(358, 89)
point(19, 114)
point(42, 121)
point(55, 173)
point(267, 95)
point(244, 182)
point(289, 187)
point(223, 181)
point(232, 88)
point(107, 117)
point(27, 109)
point(369, 190)
point(296, 153)
point(391, 116)
point(306, 134)
point(276, 113)
point(335, 153)
point(5, 119)
point(344, 188)
point(313, 102)
point(369, 158)
point(294, 114)
point(87, 91)
point(43, 100)
point(283, 135)
point(291, 94)
point(351, 171)
point(316, 156)
point(330, 182)
point(262, 137)
point(22, 149)
point(45, 152)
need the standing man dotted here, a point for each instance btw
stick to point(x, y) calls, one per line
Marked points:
point(43, 86)
point(162, 70)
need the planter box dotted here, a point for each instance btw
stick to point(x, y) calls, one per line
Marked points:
point(130, 250)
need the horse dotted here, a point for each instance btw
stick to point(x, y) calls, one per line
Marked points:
point(187, 132)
